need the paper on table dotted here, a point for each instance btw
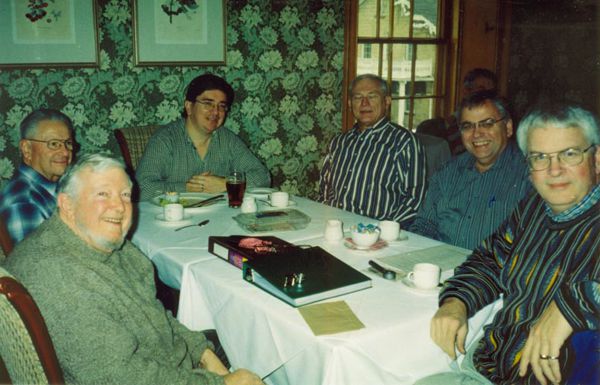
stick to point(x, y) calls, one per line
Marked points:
point(445, 256)
point(330, 318)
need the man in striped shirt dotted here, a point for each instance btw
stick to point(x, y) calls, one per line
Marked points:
point(473, 193)
point(377, 168)
point(543, 262)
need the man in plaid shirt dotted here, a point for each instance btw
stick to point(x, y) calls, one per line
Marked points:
point(46, 147)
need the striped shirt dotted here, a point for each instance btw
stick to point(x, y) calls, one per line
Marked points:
point(531, 260)
point(463, 206)
point(379, 173)
point(170, 159)
point(26, 201)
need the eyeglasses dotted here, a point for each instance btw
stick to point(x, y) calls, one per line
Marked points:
point(208, 106)
point(55, 144)
point(486, 124)
point(372, 97)
point(538, 161)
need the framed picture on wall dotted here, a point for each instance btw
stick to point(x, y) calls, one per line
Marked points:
point(180, 32)
point(59, 33)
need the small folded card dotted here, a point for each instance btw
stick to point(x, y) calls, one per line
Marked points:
point(330, 318)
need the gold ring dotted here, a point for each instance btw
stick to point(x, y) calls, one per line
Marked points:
point(546, 357)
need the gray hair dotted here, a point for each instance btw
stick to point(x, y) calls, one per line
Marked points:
point(478, 99)
point(29, 125)
point(70, 182)
point(383, 86)
point(559, 116)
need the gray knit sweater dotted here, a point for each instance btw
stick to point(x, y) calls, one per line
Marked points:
point(106, 325)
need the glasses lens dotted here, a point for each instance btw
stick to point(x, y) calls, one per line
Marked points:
point(571, 156)
point(466, 127)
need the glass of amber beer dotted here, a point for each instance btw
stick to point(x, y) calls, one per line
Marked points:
point(236, 186)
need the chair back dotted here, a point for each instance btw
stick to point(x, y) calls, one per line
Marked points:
point(27, 354)
point(437, 152)
point(6, 242)
point(132, 142)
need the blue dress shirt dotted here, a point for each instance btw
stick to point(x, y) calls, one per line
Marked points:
point(463, 206)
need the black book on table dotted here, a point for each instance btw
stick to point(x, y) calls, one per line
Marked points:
point(299, 276)
point(229, 248)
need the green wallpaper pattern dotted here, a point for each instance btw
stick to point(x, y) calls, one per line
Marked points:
point(284, 59)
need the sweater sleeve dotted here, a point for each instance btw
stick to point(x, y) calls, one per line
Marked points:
point(580, 303)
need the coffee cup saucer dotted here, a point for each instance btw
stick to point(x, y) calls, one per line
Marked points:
point(290, 203)
point(186, 220)
point(411, 286)
point(380, 244)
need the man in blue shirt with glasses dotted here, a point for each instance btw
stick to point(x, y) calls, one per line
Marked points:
point(46, 146)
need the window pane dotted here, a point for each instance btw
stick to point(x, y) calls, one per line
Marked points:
point(367, 18)
point(424, 109)
point(425, 20)
point(384, 20)
point(400, 112)
point(425, 69)
point(368, 65)
point(402, 68)
point(401, 18)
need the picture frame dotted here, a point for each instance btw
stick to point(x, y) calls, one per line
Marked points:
point(61, 33)
point(187, 33)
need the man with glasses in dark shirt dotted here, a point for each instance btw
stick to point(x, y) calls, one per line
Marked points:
point(473, 193)
point(196, 153)
point(46, 147)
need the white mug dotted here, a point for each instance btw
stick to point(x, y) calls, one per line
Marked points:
point(279, 199)
point(248, 205)
point(425, 275)
point(390, 230)
point(333, 231)
point(173, 212)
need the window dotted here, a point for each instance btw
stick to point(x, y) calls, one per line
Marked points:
point(406, 46)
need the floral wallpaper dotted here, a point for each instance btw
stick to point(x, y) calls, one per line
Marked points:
point(554, 53)
point(284, 59)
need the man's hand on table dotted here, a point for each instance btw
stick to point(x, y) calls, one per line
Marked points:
point(205, 182)
point(449, 326)
point(242, 377)
point(545, 339)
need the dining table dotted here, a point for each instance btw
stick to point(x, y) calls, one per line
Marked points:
point(261, 333)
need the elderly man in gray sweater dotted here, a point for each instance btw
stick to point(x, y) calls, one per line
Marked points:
point(96, 291)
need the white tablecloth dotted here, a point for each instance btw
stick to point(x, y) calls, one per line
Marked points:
point(269, 337)
point(171, 251)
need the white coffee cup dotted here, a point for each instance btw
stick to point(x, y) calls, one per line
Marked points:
point(389, 230)
point(333, 231)
point(248, 205)
point(425, 275)
point(173, 212)
point(279, 199)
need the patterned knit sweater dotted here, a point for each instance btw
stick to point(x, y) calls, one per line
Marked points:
point(106, 325)
point(530, 260)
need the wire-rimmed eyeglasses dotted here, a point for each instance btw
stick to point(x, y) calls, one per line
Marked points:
point(208, 105)
point(55, 144)
point(485, 124)
point(539, 161)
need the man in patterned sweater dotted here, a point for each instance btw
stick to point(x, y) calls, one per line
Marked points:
point(96, 291)
point(543, 261)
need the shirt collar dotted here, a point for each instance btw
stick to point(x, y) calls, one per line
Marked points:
point(38, 179)
point(585, 204)
point(380, 123)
